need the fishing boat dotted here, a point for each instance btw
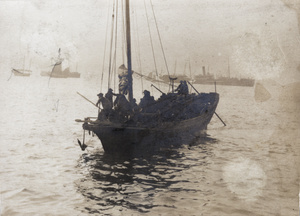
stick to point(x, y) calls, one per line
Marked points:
point(58, 72)
point(21, 72)
point(234, 81)
point(179, 77)
point(128, 127)
point(25, 72)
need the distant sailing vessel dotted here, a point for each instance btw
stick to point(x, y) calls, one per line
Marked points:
point(21, 72)
point(58, 72)
point(124, 126)
point(233, 81)
point(177, 78)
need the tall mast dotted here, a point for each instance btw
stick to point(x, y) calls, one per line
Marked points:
point(128, 40)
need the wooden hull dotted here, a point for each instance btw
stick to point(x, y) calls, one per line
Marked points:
point(124, 139)
point(21, 73)
point(117, 138)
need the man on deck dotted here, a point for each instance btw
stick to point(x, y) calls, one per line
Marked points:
point(109, 95)
point(183, 88)
point(146, 102)
point(106, 104)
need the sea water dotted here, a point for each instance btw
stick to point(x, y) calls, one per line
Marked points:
point(248, 167)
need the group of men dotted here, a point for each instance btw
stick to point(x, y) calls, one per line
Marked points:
point(120, 104)
point(124, 109)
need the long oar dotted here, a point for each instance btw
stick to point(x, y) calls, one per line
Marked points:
point(157, 88)
point(220, 119)
point(87, 99)
point(215, 112)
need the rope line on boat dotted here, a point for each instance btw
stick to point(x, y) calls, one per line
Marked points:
point(139, 53)
point(160, 39)
point(104, 48)
point(111, 44)
point(114, 68)
point(151, 41)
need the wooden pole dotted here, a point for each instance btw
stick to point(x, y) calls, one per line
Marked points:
point(128, 40)
point(220, 119)
point(87, 99)
point(193, 87)
point(157, 88)
point(215, 112)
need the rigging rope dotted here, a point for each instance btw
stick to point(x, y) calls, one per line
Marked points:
point(138, 52)
point(156, 73)
point(150, 38)
point(190, 68)
point(111, 43)
point(104, 48)
point(160, 39)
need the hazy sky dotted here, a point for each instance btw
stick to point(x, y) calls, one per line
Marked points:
point(260, 38)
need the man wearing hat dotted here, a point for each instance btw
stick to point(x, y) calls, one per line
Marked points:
point(183, 88)
point(109, 95)
point(146, 100)
point(106, 104)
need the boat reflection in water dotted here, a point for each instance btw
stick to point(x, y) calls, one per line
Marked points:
point(133, 185)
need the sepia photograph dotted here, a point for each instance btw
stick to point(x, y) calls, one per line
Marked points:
point(150, 107)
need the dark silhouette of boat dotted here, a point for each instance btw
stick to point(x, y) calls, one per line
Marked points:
point(178, 77)
point(128, 127)
point(24, 72)
point(209, 79)
point(21, 72)
point(58, 72)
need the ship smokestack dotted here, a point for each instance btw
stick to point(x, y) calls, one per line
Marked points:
point(203, 69)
